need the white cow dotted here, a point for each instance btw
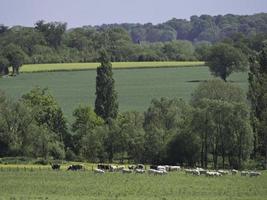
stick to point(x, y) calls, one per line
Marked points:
point(234, 171)
point(156, 172)
point(213, 174)
point(223, 172)
point(99, 171)
point(244, 173)
point(140, 171)
point(174, 168)
point(254, 173)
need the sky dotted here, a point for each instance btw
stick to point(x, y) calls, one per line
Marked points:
point(96, 12)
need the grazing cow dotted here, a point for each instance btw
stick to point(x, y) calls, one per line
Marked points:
point(213, 174)
point(55, 166)
point(161, 168)
point(75, 167)
point(244, 173)
point(99, 171)
point(174, 168)
point(234, 171)
point(140, 171)
point(140, 166)
point(132, 167)
point(113, 168)
point(156, 172)
point(153, 167)
point(201, 170)
point(105, 167)
point(254, 173)
point(223, 172)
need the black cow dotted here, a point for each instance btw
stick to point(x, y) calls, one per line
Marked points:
point(105, 167)
point(55, 166)
point(154, 167)
point(75, 167)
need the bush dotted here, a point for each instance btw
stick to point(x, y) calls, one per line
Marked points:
point(16, 160)
point(41, 162)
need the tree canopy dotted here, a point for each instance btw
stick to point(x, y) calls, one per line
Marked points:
point(224, 59)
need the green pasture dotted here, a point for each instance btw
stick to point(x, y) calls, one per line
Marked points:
point(115, 65)
point(136, 87)
point(45, 184)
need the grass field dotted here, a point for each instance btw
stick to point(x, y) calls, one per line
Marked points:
point(136, 87)
point(115, 65)
point(45, 184)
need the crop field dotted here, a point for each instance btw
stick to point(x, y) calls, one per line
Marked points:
point(136, 87)
point(43, 184)
point(115, 65)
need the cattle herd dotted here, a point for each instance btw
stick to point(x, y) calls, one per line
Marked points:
point(157, 170)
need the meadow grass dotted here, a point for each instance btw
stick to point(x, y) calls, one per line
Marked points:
point(47, 184)
point(115, 65)
point(136, 87)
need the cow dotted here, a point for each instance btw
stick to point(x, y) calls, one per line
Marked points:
point(105, 167)
point(174, 168)
point(140, 171)
point(153, 167)
point(244, 173)
point(55, 166)
point(75, 167)
point(234, 171)
point(156, 172)
point(223, 172)
point(212, 174)
point(99, 171)
point(254, 173)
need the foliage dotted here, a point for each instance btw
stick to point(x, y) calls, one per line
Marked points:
point(223, 59)
point(217, 89)
point(222, 121)
point(15, 56)
point(106, 103)
point(4, 64)
point(51, 42)
point(258, 97)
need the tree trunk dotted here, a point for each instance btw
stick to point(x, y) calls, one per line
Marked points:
point(265, 135)
point(202, 151)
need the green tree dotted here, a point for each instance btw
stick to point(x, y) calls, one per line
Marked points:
point(258, 97)
point(162, 119)
point(47, 112)
point(4, 64)
point(221, 120)
point(53, 32)
point(131, 124)
point(217, 89)
point(224, 59)
point(84, 124)
point(15, 56)
point(106, 103)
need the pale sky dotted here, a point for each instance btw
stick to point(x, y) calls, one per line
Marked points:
point(96, 12)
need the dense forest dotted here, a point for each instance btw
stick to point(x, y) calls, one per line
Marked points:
point(176, 39)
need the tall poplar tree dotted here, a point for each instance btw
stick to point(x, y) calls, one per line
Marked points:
point(106, 103)
point(258, 97)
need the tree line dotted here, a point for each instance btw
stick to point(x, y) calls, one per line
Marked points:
point(174, 40)
point(216, 128)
